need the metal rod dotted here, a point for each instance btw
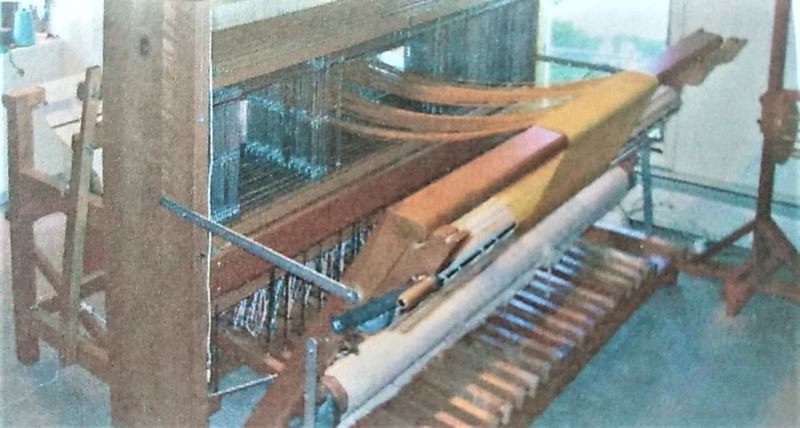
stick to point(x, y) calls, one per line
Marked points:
point(262, 251)
point(577, 63)
point(647, 187)
point(287, 306)
point(310, 393)
point(272, 304)
point(375, 307)
point(245, 385)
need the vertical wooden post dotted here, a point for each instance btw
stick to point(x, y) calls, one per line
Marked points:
point(77, 211)
point(20, 105)
point(156, 119)
point(777, 66)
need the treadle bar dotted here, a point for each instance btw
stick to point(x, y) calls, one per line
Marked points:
point(508, 370)
point(265, 253)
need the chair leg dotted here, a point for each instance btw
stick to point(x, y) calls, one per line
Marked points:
point(23, 280)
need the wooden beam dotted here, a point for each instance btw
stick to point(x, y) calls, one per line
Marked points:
point(90, 354)
point(94, 327)
point(691, 51)
point(252, 50)
point(253, 221)
point(453, 195)
point(392, 256)
point(47, 269)
point(50, 195)
point(77, 211)
point(20, 105)
point(156, 119)
point(394, 117)
point(233, 266)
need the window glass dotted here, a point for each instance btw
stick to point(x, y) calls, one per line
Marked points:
point(619, 33)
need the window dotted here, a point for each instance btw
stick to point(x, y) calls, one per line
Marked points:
point(617, 33)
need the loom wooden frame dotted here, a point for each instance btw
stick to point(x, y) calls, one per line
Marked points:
point(156, 140)
point(157, 98)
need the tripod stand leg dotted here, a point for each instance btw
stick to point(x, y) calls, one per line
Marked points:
point(780, 246)
point(753, 275)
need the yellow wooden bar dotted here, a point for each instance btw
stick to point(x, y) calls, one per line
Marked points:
point(597, 124)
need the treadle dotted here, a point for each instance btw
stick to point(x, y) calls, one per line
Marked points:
point(506, 371)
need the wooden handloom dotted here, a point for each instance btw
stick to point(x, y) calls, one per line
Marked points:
point(499, 153)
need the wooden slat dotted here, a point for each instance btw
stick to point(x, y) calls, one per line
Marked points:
point(617, 266)
point(435, 398)
point(463, 382)
point(546, 353)
point(94, 283)
point(47, 269)
point(557, 309)
point(255, 358)
point(483, 377)
point(49, 194)
point(532, 330)
point(256, 49)
point(508, 360)
point(576, 360)
point(566, 297)
point(390, 134)
point(89, 354)
point(77, 211)
point(511, 361)
point(481, 363)
point(422, 88)
point(393, 117)
point(20, 105)
point(535, 315)
point(552, 280)
point(381, 418)
point(567, 273)
point(419, 414)
point(93, 326)
point(606, 276)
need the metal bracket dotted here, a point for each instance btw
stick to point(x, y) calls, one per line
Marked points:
point(263, 252)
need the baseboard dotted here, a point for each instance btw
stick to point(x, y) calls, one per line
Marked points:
point(706, 212)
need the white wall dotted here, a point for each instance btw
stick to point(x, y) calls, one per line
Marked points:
point(80, 25)
point(715, 136)
point(42, 62)
point(79, 31)
point(715, 139)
